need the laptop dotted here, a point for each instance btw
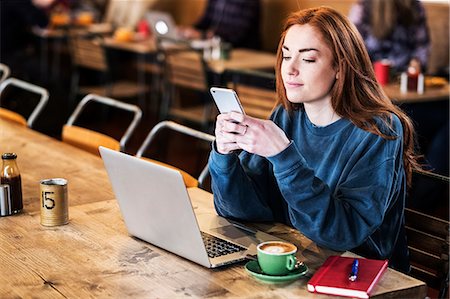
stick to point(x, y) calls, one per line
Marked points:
point(156, 208)
point(163, 25)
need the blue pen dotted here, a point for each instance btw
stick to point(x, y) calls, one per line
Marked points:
point(354, 274)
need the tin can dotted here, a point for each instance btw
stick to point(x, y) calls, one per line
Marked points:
point(54, 202)
point(5, 201)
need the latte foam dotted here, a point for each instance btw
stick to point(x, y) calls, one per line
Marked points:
point(274, 249)
point(277, 247)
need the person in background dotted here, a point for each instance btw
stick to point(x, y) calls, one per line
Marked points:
point(234, 21)
point(17, 46)
point(395, 30)
point(334, 158)
point(126, 14)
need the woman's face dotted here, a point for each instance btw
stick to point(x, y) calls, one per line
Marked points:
point(307, 68)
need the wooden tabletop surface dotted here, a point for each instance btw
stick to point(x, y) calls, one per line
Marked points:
point(94, 256)
point(40, 157)
point(147, 46)
point(239, 58)
point(430, 94)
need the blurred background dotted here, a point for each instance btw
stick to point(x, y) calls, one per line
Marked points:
point(37, 45)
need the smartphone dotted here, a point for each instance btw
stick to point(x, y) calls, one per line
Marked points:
point(226, 100)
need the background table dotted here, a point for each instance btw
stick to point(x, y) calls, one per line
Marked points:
point(429, 95)
point(239, 58)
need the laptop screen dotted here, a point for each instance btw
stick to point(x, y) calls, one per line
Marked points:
point(162, 24)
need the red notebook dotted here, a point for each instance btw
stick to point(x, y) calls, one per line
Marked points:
point(333, 277)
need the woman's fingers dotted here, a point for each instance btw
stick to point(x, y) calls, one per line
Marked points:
point(237, 117)
point(230, 123)
point(226, 148)
point(262, 137)
point(234, 128)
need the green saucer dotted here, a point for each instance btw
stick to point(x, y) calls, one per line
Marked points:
point(252, 267)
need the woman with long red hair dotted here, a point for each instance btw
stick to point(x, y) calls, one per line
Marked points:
point(335, 157)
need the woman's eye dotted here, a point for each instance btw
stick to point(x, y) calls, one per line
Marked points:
point(309, 60)
point(286, 57)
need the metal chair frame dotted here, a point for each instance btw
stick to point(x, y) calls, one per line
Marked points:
point(113, 103)
point(30, 88)
point(4, 69)
point(181, 129)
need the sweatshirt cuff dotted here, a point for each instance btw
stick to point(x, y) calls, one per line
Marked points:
point(287, 159)
point(221, 161)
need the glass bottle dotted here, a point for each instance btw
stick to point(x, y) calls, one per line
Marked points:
point(413, 76)
point(10, 175)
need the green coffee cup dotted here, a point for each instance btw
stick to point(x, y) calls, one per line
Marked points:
point(277, 257)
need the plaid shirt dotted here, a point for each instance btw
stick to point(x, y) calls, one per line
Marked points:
point(401, 46)
point(235, 21)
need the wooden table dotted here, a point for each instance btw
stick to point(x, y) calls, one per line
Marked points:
point(40, 157)
point(239, 58)
point(53, 43)
point(244, 59)
point(147, 46)
point(430, 94)
point(94, 257)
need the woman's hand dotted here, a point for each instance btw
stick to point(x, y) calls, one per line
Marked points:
point(236, 131)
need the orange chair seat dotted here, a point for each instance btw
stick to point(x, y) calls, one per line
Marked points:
point(88, 140)
point(189, 180)
point(13, 116)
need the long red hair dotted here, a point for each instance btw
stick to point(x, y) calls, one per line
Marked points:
point(356, 95)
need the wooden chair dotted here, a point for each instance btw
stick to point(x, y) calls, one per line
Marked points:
point(185, 70)
point(189, 180)
point(28, 88)
point(87, 53)
point(256, 91)
point(427, 230)
point(4, 72)
point(89, 140)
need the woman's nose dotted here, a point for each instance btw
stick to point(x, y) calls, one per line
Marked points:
point(293, 69)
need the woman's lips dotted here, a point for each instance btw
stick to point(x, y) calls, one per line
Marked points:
point(293, 84)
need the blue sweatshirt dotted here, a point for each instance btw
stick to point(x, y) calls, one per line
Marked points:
point(339, 185)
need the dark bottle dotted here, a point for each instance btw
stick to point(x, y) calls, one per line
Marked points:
point(10, 175)
point(413, 78)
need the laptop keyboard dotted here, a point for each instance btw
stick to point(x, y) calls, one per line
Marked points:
point(216, 247)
